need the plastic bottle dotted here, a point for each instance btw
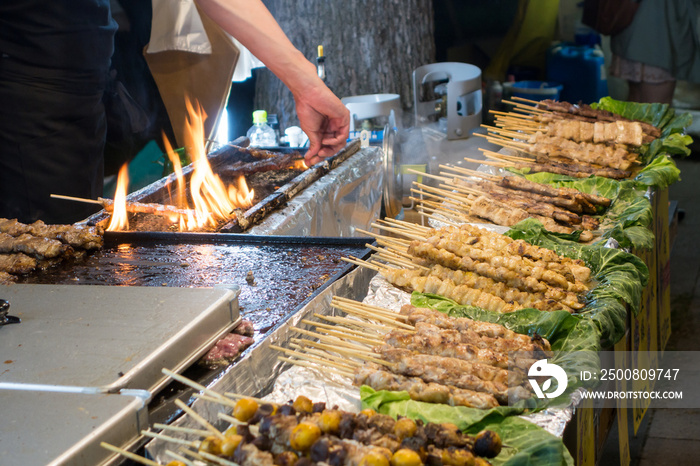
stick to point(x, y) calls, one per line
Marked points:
point(261, 134)
point(273, 123)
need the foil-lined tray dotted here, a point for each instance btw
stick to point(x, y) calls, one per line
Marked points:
point(261, 373)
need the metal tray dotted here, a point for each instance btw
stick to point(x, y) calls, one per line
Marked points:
point(276, 274)
point(110, 337)
point(66, 428)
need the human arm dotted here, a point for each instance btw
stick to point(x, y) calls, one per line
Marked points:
point(322, 116)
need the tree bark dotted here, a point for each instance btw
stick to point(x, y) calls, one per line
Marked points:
point(371, 47)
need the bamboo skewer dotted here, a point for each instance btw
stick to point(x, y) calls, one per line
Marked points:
point(191, 453)
point(525, 106)
point(368, 307)
point(337, 328)
point(345, 363)
point(238, 396)
point(392, 259)
point(398, 250)
point(399, 231)
point(472, 173)
point(489, 154)
point(447, 216)
point(438, 199)
point(231, 419)
point(316, 367)
point(167, 438)
point(337, 338)
point(77, 199)
point(451, 217)
point(108, 205)
point(362, 263)
point(523, 99)
point(448, 194)
point(347, 321)
point(364, 355)
point(217, 459)
point(128, 454)
point(192, 383)
point(328, 348)
point(180, 404)
point(310, 358)
point(187, 430)
point(429, 175)
point(402, 223)
point(370, 315)
point(387, 238)
point(222, 401)
point(180, 458)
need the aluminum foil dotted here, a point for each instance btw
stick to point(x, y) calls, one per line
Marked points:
point(347, 198)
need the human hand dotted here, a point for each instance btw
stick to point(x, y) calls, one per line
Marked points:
point(325, 120)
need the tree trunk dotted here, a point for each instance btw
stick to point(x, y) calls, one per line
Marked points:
point(371, 47)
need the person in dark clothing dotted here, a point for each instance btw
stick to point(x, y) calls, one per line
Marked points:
point(54, 65)
point(54, 62)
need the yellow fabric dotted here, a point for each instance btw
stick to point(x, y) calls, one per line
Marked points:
point(528, 38)
point(204, 78)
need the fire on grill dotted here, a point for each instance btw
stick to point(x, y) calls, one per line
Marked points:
point(212, 194)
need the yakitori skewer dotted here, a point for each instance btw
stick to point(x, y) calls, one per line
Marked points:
point(134, 207)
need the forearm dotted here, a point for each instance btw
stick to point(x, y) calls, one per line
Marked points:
point(251, 23)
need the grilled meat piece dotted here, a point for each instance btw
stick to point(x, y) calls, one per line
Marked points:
point(17, 263)
point(379, 379)
point(77, 236)
point(33, 246)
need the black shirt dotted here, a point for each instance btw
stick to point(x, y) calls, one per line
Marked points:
point(71, 35)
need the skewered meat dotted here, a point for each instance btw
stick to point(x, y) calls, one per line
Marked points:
point(338, 438)
point(566, 109)
point(618, 132)
point(508, 269)
point(432, 343)
point(7, 278)
point(564, 200)
point(227, 349)
point(449, 371)
point(537, 208)
point(463, 294)
point(502, 214)
point(33, 246)
point(277, 162)
point(575, 170)
point(600, 154)
point(490, 240)
point(17, 263)
point(464, 331)
point(549, 300)
point(77, 236)
point(372, 376)
point(521, 183)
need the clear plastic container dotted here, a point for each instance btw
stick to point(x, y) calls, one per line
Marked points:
point(261, 134)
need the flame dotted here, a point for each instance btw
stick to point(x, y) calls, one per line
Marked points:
point(299, 165)
point(120, 220)
point(210, 200)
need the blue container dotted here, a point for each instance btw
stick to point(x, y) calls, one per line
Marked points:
point(533, 90)
point(581, 69)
